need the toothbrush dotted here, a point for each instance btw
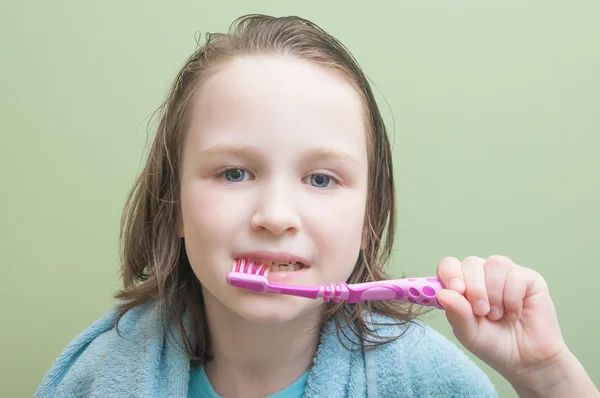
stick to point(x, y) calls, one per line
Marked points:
point(252, 276)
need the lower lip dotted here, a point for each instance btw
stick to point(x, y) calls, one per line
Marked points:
point(285, 276)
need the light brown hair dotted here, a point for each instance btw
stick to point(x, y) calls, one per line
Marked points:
point(154, 262)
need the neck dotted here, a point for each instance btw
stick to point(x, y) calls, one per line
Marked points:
point(251, 359)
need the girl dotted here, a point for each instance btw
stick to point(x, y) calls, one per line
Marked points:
point(271, 147)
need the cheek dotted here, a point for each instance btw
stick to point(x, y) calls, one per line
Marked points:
point(205, 211)
point(208, 225)
point(344, 216)
point(338, 231)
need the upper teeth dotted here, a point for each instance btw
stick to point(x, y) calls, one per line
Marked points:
point(289, 266)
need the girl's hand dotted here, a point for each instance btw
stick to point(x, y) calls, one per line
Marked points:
point(504, 315)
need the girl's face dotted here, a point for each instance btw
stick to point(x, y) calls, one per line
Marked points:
point(274, 168)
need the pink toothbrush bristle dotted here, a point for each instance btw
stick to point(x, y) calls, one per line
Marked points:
point(250, 267)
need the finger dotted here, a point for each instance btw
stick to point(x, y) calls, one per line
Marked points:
point(476, 291)
point(496, 269)
point(450, 273)
point(521, 283)
point(460, 315)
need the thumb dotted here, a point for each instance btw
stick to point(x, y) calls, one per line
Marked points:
point(460, 315)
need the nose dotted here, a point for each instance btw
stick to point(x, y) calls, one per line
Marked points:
point(276, 212)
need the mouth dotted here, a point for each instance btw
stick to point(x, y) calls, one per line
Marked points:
point(275, 266)
point(270, 263)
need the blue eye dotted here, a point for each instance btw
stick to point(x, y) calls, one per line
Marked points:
point(320, 180)
point(234, 175)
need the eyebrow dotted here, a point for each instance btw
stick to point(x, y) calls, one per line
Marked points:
point(313, 153)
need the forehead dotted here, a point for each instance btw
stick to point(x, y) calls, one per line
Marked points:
point(281, 98)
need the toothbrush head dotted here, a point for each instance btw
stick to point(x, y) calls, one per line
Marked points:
point(249, 275)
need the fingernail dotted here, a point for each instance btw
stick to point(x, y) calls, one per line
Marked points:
point(481, 307)
point(495, 313)
point(456, 284)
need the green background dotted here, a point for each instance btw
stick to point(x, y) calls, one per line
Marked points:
point(494, 111)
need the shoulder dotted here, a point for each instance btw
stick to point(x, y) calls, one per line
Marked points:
point(99, 347)
point(427, 360)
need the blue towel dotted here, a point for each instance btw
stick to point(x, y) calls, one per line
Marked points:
point(144, 361)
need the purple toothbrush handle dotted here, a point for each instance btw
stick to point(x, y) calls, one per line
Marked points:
point(420, 291)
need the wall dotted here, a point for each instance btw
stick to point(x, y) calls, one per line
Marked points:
point(493, 108)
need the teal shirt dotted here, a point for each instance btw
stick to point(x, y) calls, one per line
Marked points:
point(200, 386)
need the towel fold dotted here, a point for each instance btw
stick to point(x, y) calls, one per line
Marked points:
point(144, 361)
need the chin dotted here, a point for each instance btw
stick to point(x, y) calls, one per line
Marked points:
point(273, 309)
